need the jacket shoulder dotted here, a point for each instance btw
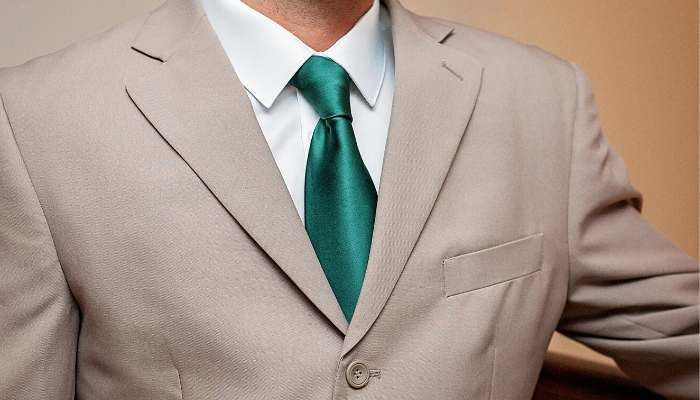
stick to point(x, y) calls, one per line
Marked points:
point(489, 45)
point(504, 57)
point(96, 56)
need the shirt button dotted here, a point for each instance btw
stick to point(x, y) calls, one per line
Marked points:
point(357, 375)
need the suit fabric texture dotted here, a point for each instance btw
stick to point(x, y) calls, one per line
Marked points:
point(150, 250)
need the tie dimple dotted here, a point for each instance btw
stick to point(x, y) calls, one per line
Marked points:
point(325, 85)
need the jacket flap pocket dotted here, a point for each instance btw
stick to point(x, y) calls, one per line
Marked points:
point(492, 265)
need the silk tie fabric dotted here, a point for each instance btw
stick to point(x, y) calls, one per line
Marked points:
point(339, 197)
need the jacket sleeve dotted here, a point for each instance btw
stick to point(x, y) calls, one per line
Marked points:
point(39, 319)
point(633, 294)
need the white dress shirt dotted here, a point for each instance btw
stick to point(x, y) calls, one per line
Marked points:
point(265, 56)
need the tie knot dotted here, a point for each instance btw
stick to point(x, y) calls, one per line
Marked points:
point(325, 85)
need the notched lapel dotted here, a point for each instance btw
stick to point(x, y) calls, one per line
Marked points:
point(435, 94)
point(196, 103)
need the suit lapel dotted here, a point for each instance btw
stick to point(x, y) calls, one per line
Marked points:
point(435, 93)
point(194, 100)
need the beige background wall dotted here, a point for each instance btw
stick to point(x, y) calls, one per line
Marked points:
point(641, 55)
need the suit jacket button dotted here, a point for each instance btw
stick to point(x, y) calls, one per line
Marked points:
point(357, 375)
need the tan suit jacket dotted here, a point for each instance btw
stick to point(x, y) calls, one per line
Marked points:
point(149, 248)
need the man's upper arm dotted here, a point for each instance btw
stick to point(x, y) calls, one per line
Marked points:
point(39, 319)
point(633, 294)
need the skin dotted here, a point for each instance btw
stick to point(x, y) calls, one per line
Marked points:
point(318, 23)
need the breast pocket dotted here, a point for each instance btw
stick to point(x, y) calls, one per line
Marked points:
point(493, 265)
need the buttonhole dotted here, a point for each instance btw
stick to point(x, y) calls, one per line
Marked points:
point(447, 67)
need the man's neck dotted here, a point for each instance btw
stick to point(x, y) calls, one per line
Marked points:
point(318, 23)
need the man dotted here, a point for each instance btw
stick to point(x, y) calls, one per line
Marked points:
point(319, 200)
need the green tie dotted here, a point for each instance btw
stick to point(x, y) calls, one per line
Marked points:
point(339, 196)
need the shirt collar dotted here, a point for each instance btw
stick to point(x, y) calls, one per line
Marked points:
point(265, 56)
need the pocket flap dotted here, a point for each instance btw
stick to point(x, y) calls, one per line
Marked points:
point(492, 265)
